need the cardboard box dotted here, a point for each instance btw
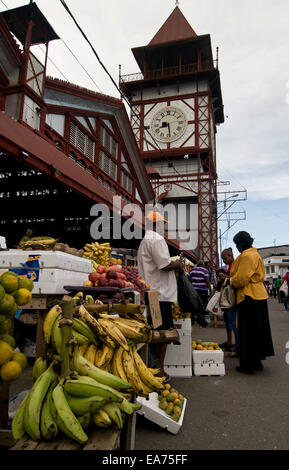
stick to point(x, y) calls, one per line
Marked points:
point(150, 410)
point(209, 369)
point(208, 357)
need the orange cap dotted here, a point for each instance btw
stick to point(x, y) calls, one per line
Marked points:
point(156, 217)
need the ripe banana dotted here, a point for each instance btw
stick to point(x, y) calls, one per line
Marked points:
point(82, 387)
point(34, 403)
point(118, 364)
point(81, 406)
point(84, 420)
point(114, 333)
point(103, 358)
point(40, 365)
point(145, 374)
point(65, 419)
point(56, 334)
point(84, 368)
point(89, 354)
point(114, 413)
point(48, 426)
point(132, 374)
point(127, 330)
point(49, 321)
point(17, 427)
point(101, 419)
point(82, 348)
point(85, 316)
point(83, 328)
point(81, 339)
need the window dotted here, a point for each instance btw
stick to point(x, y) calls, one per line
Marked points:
point(107, 165)
point(108, 142)
point(81, 141)
point(126, 182)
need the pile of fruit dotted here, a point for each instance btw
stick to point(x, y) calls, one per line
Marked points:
point(171, 401)
point(14, 293)
point(98, 253)
point(88, 373)
point(205, 346)
point(38, 243)
point(178, 313)
point(132, 275)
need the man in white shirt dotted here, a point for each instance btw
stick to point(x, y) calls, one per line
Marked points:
point(157, 269)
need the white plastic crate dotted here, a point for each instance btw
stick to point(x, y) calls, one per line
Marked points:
point(150, 410)
point(209, 369)
point(43, 259)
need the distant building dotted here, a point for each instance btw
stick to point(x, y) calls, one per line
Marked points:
point(276, 260)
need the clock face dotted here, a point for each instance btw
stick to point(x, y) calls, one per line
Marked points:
point(168, 124)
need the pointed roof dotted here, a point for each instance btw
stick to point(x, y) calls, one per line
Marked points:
point(175, 28)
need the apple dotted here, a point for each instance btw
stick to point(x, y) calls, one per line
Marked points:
point(111, 275)
point(93, 277)
point(88, 284)
point(101, 269)
point(102, 282)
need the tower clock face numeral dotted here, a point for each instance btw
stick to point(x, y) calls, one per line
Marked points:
point(168, 124)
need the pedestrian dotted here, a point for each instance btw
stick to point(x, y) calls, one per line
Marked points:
point(286, 297)
point(278, 285)
point(157, 269)
point(254, 333)
point(200, 279)
point(274, 290)
point(229, 313)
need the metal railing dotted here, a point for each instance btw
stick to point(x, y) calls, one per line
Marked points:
point(168, 72)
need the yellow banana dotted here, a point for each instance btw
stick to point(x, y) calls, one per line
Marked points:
point(127, 330)
point(114, 333)
point(66, 420)
point(49, 321)
point(84, 315)
point(82, 348)
point(56, 335)
point(132, 374)
point(118, 364)
point(103, 359)
point(90, 353)
point(145, 374)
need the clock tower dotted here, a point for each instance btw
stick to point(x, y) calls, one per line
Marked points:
point(177, 105)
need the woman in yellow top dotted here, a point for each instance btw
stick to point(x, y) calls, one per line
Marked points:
point(247, 276)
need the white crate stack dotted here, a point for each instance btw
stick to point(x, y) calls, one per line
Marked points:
point(178, 359)
point(208, 362)
point(49, 270)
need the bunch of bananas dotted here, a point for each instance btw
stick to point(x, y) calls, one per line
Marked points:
point(178, 313)
point(78, 395)
point(127, 365)
point(99, 253)
point(44, 243)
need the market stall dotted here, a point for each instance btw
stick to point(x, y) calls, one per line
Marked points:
point(93, 309)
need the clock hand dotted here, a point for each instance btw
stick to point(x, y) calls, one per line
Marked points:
point(169, 129)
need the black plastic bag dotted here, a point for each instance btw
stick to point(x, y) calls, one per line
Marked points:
point(190, 301)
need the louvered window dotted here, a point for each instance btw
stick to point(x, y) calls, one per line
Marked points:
point(108, 142)
point(81, 141)
point(126, 182)
point(107, 165)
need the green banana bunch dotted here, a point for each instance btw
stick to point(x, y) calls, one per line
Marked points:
point(81, 339)
point(84, 420)
point(17, 427)
point(83, 329)
point(101, 419)
point(82, 405)
point(114, 413)
point(64, 417)
point(84, 367)
point(40, 366)
point(48, 426)
point(87, 387)
point(34, 403)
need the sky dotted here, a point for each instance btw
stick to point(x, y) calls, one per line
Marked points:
point(253, 41)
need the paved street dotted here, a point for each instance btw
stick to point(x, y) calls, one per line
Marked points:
point(232, 412)
point(237, 411)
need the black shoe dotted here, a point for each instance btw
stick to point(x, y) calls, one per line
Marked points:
point(244, 370)
point(258, 366)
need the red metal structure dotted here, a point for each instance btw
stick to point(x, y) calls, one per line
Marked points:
point(176, 105)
